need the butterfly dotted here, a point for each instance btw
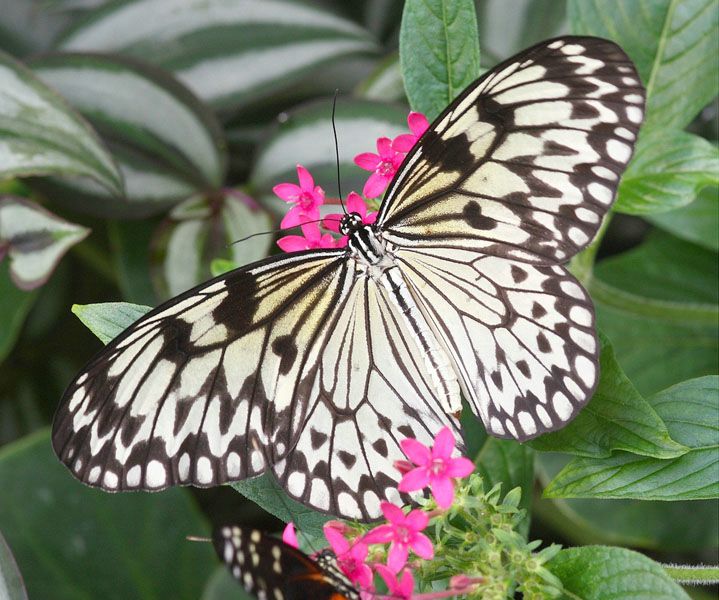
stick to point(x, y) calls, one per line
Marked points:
point(332, 356)
point(269, 568)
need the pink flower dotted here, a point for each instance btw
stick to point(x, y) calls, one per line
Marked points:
point(418, 124)
point(404, 533)
point(289, 536)
point(435, 468)
point(312, 238)
point(397, 587)
point(355, 203)
point(350, 557)
point(384, 164)
point(306, 198)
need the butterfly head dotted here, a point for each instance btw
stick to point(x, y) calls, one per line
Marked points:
point(351, 223)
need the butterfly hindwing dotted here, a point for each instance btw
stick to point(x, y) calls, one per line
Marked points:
point(272, 570)
point(521, 336)
point(526, 162)
point(177, 396)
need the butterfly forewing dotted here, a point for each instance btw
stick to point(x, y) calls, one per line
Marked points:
point(176, 397)
point(270, 569)
point(526, 162)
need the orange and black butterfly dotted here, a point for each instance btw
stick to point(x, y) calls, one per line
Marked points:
point(272, 570)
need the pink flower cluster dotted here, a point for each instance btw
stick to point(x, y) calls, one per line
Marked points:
point(435, 468)
point(306, 198)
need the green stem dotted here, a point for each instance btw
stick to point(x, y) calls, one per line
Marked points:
point(696, 575)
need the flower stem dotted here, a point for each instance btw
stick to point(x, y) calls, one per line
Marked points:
point(693, 575)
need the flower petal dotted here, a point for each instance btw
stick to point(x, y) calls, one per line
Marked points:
point(406, 584)
point(422, 546)
point(292, 243)
point(397, 557)
point(307, 182)
point(459, 467)
point(289, 192)
point(416, 451)
point(414, 480)
point(404, 142)
point(392, 513)
point(289, 536)
point(418, 123)
point(416, 520)
point(384, 148)
point(443, 444)
point(295, 216)
point(443, 491)
point(379, 535)
point(355, 203)
point(370, 218)
point(368, 161)
point(332, 222)
point(337, 541)
point(375, 185)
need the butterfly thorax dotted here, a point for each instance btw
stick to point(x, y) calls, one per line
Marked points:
point(363, 242)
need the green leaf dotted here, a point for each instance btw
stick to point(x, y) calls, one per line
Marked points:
point(604, 573)
point(12, 586)
point(438, 52)
point(35, 240)
point(201, 229)
point(672, 43)
point(108, 319)
point(616, 418)
point(690, 412)
point(511, 464)
point(698, 222)
point(668, 170)
point(41, 135)
point(230, 54)
point(266, 492)
point(172, 147)
point(658, 305)
point(74, 542)
point(130, 243)
point(305, 137)
point(14, 306)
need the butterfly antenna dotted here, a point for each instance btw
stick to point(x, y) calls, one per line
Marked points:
point(198, 538)
point(337, 151)
point(272, 231)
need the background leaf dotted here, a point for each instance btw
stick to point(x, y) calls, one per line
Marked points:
point(72, 541)
point(229, 53)
point(690, 412)
point(668, 170)
point(107, 320)
point(438, 51)
point(35, 240)
point(14, 306)
point(616, 418)
point(658, 305)
point(698, 222)
point(169, 149)
point(41, 135)
point(667, 40)
point(222, 586)
point(12, 586)
point(602, 573)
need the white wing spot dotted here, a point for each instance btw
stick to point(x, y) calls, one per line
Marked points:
point(510, 427)
point(134, 475)
point(78, 465)
point(562, 406)
point(618, 151)
point(580, 315)
point(527, 422)
point(155, 475)
point(571, 49)
point(233, 465)
point(555, 45)
point(577, 236)
point(543, 416)
point(634, 114)
point(94, 474)
point(349, 505)
point(204, 470)
point(586, 215)
point(633, 98)
point(603, 172)
point(600, 192)
point(496, 425)
point(183, 467)
point(110, 480)
point(296, 483)
point(585, 369)
point(572, 289)
point(623, 132)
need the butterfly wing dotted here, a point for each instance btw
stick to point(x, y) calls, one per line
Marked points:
point(370, 392)
point(508, 183)
point(175, 398)
point(269, 568)
point(525, 163)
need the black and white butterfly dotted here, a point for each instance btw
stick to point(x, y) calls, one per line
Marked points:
point(270, 569)
point(331, 357)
